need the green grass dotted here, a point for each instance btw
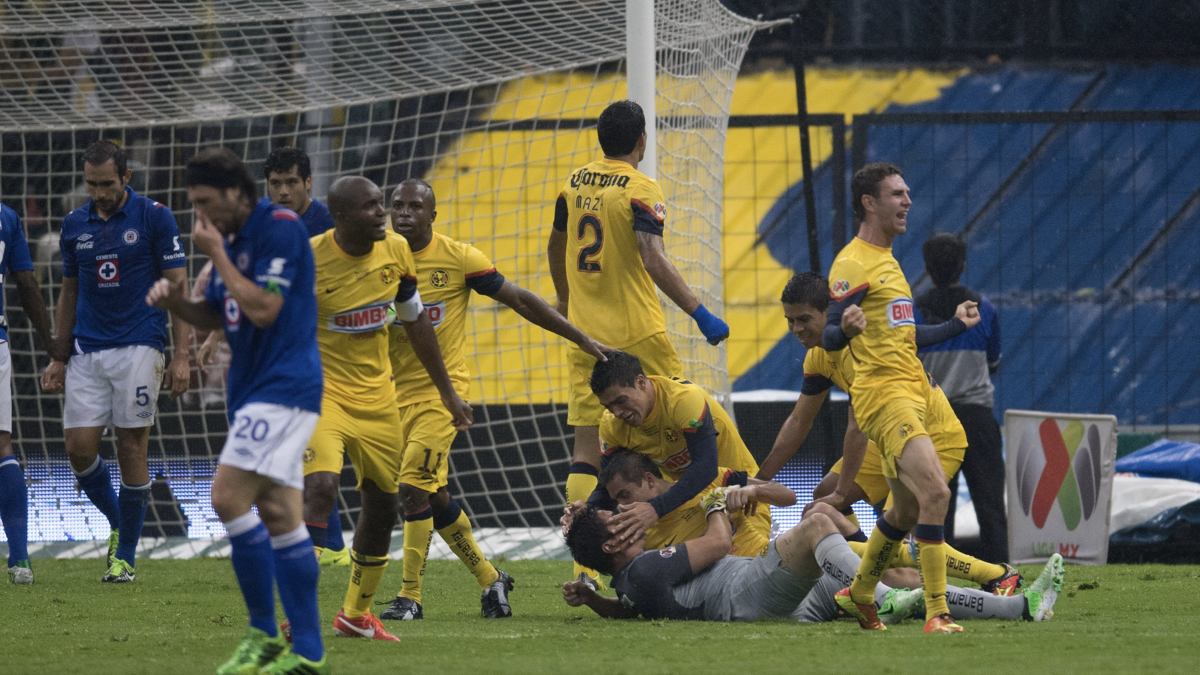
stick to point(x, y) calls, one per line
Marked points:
point(183, 617)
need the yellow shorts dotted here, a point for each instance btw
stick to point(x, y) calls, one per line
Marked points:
point(753, 533)
point(369, 437)
point(945, 430)
point(426, 432)
point(657, 355)
point(891, 424)
point(870, 475)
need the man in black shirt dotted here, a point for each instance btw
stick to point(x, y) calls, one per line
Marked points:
point(696, 580)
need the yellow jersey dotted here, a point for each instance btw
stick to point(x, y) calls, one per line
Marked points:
point(353, 298)
point(886, 352)
point(447, 271)
point(601, 209)
point(751, 534)
point(680, 407)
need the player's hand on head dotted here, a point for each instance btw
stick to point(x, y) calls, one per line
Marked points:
point(568, 516)
point(968, 313)
point(595, 349)
point(54, 377)
point(854, 322)
point(633, 521)
point(461, 411)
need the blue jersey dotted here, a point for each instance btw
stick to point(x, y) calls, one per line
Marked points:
point(14, 256)
point(116, 262)
point(317, 218)
point(278, 364)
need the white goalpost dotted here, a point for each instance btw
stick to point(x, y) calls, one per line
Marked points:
point(493, 103)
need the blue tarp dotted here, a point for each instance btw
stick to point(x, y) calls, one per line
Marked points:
point(1164, 459)
point(1159, 528)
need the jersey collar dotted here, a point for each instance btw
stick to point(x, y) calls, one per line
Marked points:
point(125, 209)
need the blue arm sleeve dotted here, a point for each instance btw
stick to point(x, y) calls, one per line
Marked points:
point(166, 238)
point(67, 247)
point(702, 446)
point(931, 335)
point(19, 259)
point(832, 338)
point(277, 258)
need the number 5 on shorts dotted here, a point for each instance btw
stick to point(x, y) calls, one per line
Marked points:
point(143, 396)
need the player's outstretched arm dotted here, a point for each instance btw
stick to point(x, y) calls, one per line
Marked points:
point(717, 540)
point(577, 594)
point(425, 345)
point(966, 316)
point(792, 434)
point(538, 312)
point(666, 277)
point(556, 252)
point(34, 306)
point(757, 491)
point(172, 297)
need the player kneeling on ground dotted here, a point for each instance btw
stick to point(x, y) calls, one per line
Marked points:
point(266, 303)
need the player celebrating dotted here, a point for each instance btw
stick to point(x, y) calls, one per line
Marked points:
point(682, 429)
point(362, 268)
point(16, 262)
point(606, 256)
point(261, 292)
point(447, 272)
point(872, 313)
point(114, 249)
point(631, 477)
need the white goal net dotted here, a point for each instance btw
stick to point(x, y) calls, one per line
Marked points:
point(494, 103)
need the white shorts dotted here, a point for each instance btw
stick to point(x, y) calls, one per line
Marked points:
point(5, 388)
point(270, 440)
point(113, 386)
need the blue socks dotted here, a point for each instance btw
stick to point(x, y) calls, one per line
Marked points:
point(254, 565)
point(133, 501)
point(97, 485)
point(14, 509)
point(333, 534)
point(296, 572)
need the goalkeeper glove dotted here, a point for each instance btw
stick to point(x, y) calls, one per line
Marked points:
point(713, 501)
point(714, 328)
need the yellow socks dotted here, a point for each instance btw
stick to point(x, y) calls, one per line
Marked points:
point(366, 571)
point(418, 532)
point(962, 566)
point(581, 482)
point(455, 529)
point(931, 555)
point(883, 545)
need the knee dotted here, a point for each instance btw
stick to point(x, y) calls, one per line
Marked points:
point(320, 490)
point(823, 509)
point(274, 515)
point(817, 524)
point(936, 497)
point(440, 500)
point(413, 498)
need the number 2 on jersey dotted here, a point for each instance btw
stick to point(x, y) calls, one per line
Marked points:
point(588, 254)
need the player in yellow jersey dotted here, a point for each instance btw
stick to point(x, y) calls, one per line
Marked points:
point(858, 475)
point(606, 257)
point(631, 477)
point(682, 429)
point(872, 315)
point(447, 272)
point(363, 271)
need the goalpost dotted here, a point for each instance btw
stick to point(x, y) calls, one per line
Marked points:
point(493, 103)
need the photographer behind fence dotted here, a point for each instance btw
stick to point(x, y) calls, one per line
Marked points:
point(963, 367)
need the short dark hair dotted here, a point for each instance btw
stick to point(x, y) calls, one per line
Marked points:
point(866, 182)
point(807, 288)
point(100, 152)
point(619, 127)
point(629, 466)
point(281, 160)
point(221, 169)
point(419, 183)
point(620, 368)
point(945, 255)
point(586, 538)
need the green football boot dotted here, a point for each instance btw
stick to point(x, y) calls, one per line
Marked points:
point(113, 538)
point(292, 663)
point(1043, 592)
point(21, 574)
point(900, 603)
point(120, 572)
point(255, 651)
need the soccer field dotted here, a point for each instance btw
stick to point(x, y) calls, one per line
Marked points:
point(183, 617)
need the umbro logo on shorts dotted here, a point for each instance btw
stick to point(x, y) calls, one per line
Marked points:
point(145, 414)
point(244, 452)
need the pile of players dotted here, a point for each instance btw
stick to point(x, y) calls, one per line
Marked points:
point(347, 338)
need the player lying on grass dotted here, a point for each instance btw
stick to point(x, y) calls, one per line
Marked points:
point(448, 273)
point(631, 477)
point(261, 293)
point(797, 577)
point(859, 474)
point(682, 429)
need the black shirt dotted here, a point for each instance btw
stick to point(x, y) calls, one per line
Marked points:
point(647, 584)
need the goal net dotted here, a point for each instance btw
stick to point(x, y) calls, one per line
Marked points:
point(494, 103)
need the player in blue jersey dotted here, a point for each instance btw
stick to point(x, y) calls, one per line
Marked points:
point(262, 292)
point(114, 248)
point(289, 183)
point(14, 500)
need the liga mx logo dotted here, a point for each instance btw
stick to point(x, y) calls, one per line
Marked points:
point(1066, 469)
